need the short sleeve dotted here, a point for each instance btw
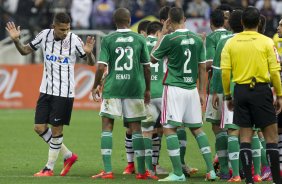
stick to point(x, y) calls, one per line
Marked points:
point(210, 46)
point(225, 56)
point(202, 54)
point(104, 52)
point(36, 43)
point(162, 49)
point(145, 56)
point(79, 47)
point(273, 58)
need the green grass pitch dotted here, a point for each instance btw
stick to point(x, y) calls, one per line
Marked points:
point(22, 152)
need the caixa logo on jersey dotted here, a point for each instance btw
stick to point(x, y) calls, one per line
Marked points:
point(59, 59)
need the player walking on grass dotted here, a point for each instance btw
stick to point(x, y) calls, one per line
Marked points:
point(253, 100)
point(122, 52)
point(54, 106)
point(214, 115)
point(227, 116)
point(181, 104)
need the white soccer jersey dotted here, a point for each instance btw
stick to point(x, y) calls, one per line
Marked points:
point(59, 60)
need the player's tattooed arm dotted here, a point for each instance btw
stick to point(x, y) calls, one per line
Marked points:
point(147, 75)
point(14, 33)
point(97, 82)
point(88, 48)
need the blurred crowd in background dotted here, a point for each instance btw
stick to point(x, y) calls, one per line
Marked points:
point(97, 14)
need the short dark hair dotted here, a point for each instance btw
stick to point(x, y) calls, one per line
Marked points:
point(164, 12)
point(225, 7)
point(122, 16)
point(153, 27)
point(142, 26)
point(250, 17)
point(217, 18)
point(176, 14)
point(262, 24)
point(62, 18)
point(235, 21)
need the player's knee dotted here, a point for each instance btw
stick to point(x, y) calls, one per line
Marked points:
point(39, 129)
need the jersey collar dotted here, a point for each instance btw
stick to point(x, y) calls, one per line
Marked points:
point(220, 29)
point(123, 30)
point(181, 30)
point(150, 36)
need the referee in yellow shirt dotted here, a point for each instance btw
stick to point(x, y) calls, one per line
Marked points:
point(252, 61)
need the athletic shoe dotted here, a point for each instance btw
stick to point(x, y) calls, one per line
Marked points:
point(210, 176)
point(186, 170)
point(130, 169)
point(161, 170)
point(216, 165)
point(173, 177)
point(44, 172)
point(257, 178)
point(223, 176)
point(104, 175)
point(141, 176)
point(68, 163)
point(151, 175)
point(265, 173)
point(235, 179)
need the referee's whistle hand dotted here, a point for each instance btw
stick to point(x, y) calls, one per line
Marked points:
point(278, 104)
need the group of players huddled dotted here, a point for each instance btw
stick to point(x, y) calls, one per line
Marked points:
point(156, 81)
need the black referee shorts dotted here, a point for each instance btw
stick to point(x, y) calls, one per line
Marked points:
point(53, 110)
point(253, 107)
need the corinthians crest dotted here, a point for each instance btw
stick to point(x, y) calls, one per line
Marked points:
point(66, 44)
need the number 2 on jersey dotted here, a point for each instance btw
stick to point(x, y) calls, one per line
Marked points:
point(188, 54)
point(128, 51)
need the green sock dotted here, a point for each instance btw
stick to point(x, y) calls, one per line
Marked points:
point(181, 134)
point(233, 153)
point(256, 153)
point(139, 151)
point(205, 148)
point(148, 153)
point(221, 150)
point(263, 152)
point(106, 150)
point(173, 152)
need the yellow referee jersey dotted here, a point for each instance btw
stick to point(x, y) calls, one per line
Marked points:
point(250, 54)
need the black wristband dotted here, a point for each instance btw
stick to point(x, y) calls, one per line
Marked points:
point(227, 97)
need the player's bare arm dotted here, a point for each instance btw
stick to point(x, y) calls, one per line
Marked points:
point(147, 75)
point(88, 49)
point(97, 82)
point(14, 33)
point(202, 73)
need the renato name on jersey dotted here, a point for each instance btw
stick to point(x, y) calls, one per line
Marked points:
point(125, 39)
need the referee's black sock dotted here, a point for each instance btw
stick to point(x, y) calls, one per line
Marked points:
point(272, 155)
point(246, 158)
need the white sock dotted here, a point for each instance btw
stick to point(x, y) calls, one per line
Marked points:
point(54, 150)
point(129, 148)
point(47, 135)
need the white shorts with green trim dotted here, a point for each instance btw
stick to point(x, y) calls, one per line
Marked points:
point(227, 118)
point(132, 110)
point(153, 111)
point(181, 107)
point(212, 115)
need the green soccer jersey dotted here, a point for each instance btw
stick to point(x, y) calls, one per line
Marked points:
point(211, 44)
point(157, 71)
point(184, 51)
point(123, 51)
point(216, 77)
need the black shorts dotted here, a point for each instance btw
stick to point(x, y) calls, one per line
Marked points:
point(253, 107)
point(53, 110)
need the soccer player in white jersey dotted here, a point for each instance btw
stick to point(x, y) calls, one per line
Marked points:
point(61, 48)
